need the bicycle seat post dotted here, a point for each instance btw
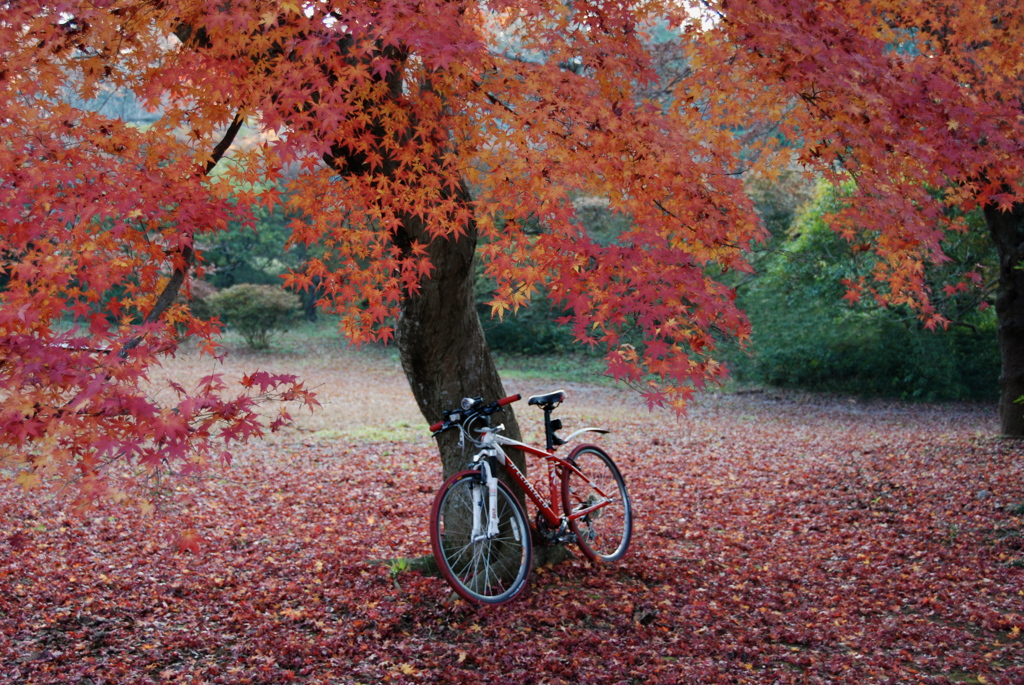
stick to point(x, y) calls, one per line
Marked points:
point(548, 403)
point(550, 426)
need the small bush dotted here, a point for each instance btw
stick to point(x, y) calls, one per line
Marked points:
point(256, 312)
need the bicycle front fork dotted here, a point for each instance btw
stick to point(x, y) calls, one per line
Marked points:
point(485, 495)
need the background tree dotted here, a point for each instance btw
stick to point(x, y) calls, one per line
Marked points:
point(803, 336)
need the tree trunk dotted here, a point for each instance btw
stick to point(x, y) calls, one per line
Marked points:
point(310, 298)
point(1007, 230)
point(441, 342)
point(445, 355)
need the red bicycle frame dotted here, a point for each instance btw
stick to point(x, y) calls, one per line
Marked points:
point(556, 466)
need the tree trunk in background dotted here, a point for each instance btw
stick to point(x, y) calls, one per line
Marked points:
point(441, 342)
point(310, 298)
point(1007, 230)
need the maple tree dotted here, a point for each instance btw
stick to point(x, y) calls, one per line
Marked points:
point(414, 136)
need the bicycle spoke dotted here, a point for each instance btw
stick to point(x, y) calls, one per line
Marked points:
point(597, 488)
point(491, 570)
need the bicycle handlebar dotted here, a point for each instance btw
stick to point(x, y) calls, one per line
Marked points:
point(476, 408)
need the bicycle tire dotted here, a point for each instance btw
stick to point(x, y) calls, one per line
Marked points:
point(488, 571)
point(604, 534)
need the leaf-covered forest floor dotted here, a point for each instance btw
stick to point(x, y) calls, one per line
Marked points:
point(779, 538)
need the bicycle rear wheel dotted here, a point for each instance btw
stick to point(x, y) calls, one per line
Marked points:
point(604, 532)
point(490, 570)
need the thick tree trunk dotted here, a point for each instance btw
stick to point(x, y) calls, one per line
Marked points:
point(445, 356)
point(440, 339)
point(441, 342)
point(1007, 230)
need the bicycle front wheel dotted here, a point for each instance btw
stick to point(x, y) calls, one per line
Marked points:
point(595, 500)
point(491, 569)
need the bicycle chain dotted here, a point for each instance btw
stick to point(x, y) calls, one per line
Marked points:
point(553, 536)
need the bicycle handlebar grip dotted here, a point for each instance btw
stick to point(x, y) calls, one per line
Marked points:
point(436, 427)
point(509, 400)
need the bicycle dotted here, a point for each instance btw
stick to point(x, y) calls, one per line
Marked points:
point(478, 529)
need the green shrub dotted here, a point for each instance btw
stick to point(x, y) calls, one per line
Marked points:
point(805, 336)
point(247, 254)
point(868, 354)
point(256, 312)
point(532, 330)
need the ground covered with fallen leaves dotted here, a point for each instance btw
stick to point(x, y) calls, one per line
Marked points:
point(779, 538)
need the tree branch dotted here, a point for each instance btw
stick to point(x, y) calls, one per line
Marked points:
point(170, 291)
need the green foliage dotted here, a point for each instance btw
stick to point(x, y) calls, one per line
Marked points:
point(256, 311)
point(255, 254)
point(260, 254)
point(871, 355)
point(396, 566)
point(531, 331)
point(805, 336)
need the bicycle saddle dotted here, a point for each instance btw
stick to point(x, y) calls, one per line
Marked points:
point(552, 398)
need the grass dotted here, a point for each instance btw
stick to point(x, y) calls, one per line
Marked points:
point(396, 431)
point(303, 338)
point(319, 355)
point(567, 368)
point(308, 338)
